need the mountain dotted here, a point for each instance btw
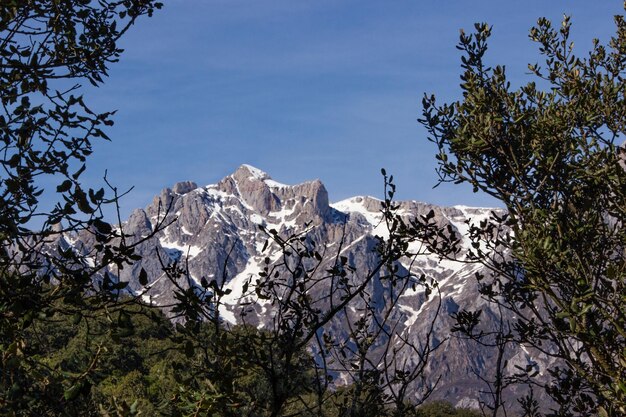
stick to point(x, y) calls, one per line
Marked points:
point(219, 232)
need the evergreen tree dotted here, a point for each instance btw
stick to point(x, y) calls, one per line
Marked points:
point(549, 151)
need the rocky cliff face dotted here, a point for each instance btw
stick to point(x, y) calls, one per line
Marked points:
point(216, 231)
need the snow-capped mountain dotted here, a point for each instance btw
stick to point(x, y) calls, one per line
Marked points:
point(217, 235)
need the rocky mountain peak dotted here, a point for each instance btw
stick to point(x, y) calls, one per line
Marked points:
point(249, 183)
point(184, 187)
point(215, 232)
point(266, 197)
point(249, 173)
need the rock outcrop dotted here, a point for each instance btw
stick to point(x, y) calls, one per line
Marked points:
point(215, 230)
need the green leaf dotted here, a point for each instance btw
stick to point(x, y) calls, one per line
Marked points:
point(103, 228)
point(65, 186)
point(72, 392)
point(79, 172)
point(81, 201)
point(189, 349)
point(143, 277)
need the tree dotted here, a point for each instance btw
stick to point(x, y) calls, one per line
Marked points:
point(46, 130)
point(549, 151)
point(71, 290)
point(443, 409)
point(310, 291)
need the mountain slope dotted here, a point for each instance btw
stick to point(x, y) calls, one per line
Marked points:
point(218, 232)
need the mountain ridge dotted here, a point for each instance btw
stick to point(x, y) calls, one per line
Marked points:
point(219, 232)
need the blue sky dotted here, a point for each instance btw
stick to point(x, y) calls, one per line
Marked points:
point(304, 89)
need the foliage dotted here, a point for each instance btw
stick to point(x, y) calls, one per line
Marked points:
point(73, 343)
point(312, 291)
point(150, 371)
point(549, 152)
point(72, 340)
point(46, 132)
point(444, 409)
point(104, 367)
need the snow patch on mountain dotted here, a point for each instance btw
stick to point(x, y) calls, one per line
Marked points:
point(255, 173)
point(217, 235)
